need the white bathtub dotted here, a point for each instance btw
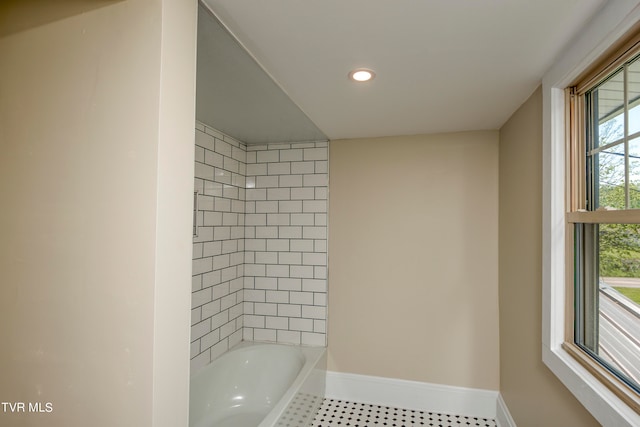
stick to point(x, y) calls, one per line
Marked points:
point(257, 384)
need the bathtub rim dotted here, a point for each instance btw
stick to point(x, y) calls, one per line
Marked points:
point(314, 359)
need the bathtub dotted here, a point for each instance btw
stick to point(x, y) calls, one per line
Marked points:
point(259, 384)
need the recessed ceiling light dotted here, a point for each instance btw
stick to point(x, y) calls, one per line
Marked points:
point(361, 75)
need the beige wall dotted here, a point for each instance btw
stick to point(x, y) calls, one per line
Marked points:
point(96, 171)
point(413, 255)
point(535, 397)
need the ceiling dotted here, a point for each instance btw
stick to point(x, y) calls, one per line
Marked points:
point(441, 65)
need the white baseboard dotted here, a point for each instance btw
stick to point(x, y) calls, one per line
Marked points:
point(503, 416)
point(413, 395)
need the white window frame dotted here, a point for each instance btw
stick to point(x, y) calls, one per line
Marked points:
point(609, 25)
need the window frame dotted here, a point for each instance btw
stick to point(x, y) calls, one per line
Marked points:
point(611, 23)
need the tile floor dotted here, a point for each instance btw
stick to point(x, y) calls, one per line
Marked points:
point(341, 413)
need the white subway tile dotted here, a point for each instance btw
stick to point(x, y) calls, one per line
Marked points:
point(300, 324)
point(255, 169)
point(314, 258)
point(256, 194)
point(266, 232)
point(230, 192)
point(212, 219)
point(212, 248)
point(268, 156)
point(213, 159)
point(290, 181)
point(265, 309)
point(267, 257)
point(320, 299)
point(226, 330)
point(313, 339)
point(277, 296)
point(277, 271)
point(267, 181)
point(236, 337)
point(302, 219)
point(236, 285)
point(204, 171)
point(288, 337)
point(255, 219)
point(196, 283)
point(199, 154)
point(200, 329)
point(229, 246)
point(252, 321)
point(210, 339)
point(319, 206)
point(196, 315)
point(278, 193)
point(204, 140)
point(266, 283)
point(221, 261)
point(315, 154)
point(291, 232)
point(254, 270)
point(314, 285)
point(289, 258)
point(315, 180)
point(195, 348)
point(303, 167)
point(212, 188)
point(201, 265)
point(320, 219)
point(319, 246)
point(228, 301)
point(247, 334)
point(223, 148)
point(277, 322)
point(321, 193)
point(302, 194)
point(283, 168)
point(264, 335)
point(290, 310)
point(301, 298)
point(254, 295)
point(322, 166)
point(210, 279)
point(302, 245)
point(266, 206)
point(319, 326)
point(291, 155)
point(250, 157)
point(281, 219)
point(278, 245)
point(200, 297)
point(219, 349)
point(235, 311)
point(239, 153)
point(229, 273)
point(313, 232)
point(289, 284)
point(301, 271)
point(312, 312)
point(222, 176)
point(213, 132)
point(320, 272)
point(222, 204)
point(290, 205)
point(220, 290)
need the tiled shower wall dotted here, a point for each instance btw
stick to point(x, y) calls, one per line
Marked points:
point(286, 243)
point(218, 248)
point(260, 257)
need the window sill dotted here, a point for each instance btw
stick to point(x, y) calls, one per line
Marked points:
point(605, 406)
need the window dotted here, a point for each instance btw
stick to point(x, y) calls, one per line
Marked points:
point(603, 223)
